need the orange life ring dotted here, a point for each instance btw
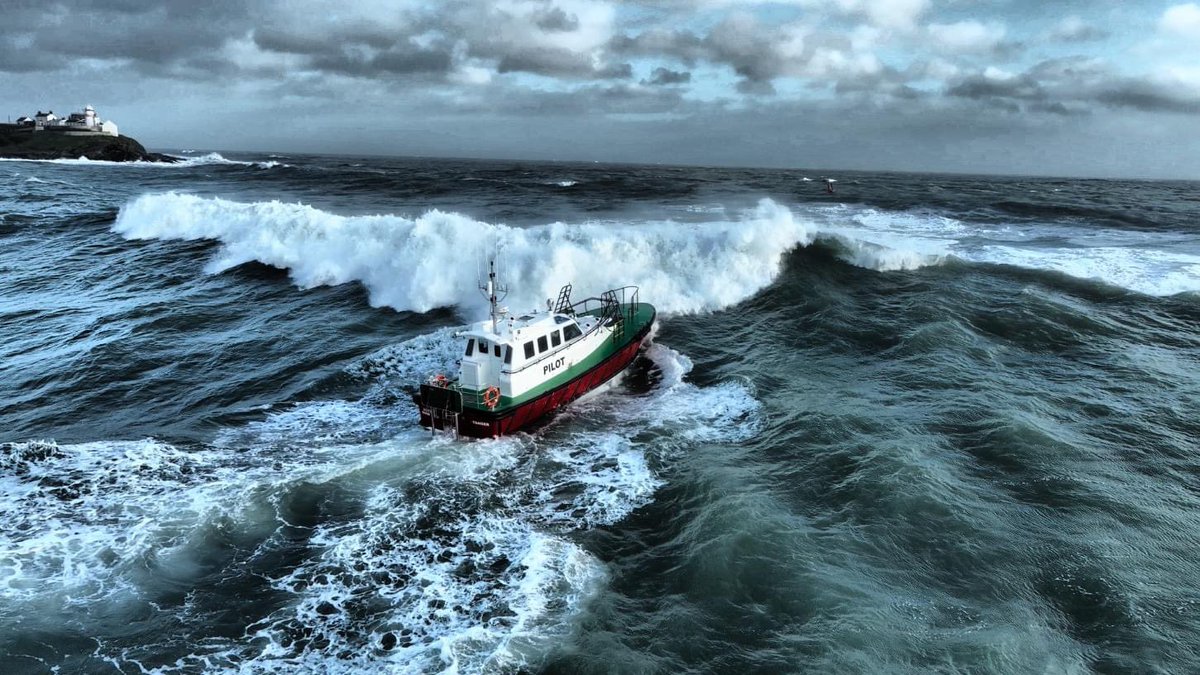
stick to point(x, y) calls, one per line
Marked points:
point(491, 397)
point(440, 380)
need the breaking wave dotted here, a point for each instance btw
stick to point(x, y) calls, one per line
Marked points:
point(1150, 263)
point(422, 263)
point(433, 260)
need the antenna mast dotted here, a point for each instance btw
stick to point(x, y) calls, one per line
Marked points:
point(490, 291)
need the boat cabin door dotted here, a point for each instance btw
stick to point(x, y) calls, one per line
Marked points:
point(481, 367)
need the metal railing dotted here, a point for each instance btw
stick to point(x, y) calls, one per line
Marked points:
point(611, 308)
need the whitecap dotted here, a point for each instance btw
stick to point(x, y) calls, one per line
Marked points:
point(417, 264)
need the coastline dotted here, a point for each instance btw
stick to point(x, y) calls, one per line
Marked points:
point(16, 143)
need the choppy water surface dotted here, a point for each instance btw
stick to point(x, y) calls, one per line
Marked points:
point(927, 423)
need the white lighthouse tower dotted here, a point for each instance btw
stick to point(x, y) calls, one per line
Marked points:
point(89, 116)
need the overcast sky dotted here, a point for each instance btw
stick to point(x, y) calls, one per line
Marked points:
point(1094, 88)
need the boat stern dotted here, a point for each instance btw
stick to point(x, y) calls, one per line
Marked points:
point(440, 406)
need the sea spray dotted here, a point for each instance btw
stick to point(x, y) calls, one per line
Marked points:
point(421, 263)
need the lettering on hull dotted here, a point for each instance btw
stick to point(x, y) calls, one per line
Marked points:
point(551, 367)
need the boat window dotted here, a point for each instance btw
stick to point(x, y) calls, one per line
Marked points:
point(496, 350)
point(508, 355)
point(483, 348)
point(542, 346)
point(560, 319)
point(529, 349)
point(555, 339)
point(470, 346)
point(571, 331)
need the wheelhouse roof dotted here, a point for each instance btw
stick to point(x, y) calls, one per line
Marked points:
point(514, 329)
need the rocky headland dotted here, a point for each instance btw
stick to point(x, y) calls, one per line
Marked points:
point(24, 143)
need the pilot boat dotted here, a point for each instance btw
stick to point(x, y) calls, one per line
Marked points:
point(517, 369)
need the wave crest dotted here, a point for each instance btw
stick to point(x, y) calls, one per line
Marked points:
point(431, 261)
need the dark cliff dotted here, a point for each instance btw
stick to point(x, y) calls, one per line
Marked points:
point(24, 143)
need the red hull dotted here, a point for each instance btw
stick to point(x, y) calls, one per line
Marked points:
point(480, 424)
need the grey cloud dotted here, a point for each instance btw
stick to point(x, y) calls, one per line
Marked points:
point(555, 19)
point(665, 76)
point(1056, 108)
point(56, 33)
point(755, 52)
point(683, 45)
point(125, 6)
point(744, 45)
point(1008, 50)
point(885, 84)
point(623, 98)
point(981, 87)
point(615, 71)
point(756, 87)
point(508, 42)
point(1068, 86)
point(740, 44)
point(287, 42)
point(1148, 97)
point(1072, 69)
point(437, 61)
point(1077, 32)
point(415, 60)
point(620, 98)
point(404, 60)
point(184, 37)
point(560, 63)
point(315, 38)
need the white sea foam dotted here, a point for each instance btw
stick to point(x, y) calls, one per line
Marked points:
point(311, 424)
point(603, 478)
point(78, 517)
point(1145, 270)
point(97, 522)
point(217, 158)
point(1146, 262)
point(459, 558)
point(415, 359)
point(211, 158)
point(886, 252)
point(462, 563)
point(418, 264)
point(728, 412)
point(424, 581)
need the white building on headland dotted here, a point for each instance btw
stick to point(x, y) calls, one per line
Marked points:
point(85, 123)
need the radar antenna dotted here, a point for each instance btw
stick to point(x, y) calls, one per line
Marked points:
point(490, 290)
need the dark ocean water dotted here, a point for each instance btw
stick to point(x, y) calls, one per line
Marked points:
point(926, 424)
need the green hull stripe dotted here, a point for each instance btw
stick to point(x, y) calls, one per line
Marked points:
point(642, 316)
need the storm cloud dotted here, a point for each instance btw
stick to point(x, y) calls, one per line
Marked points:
point(229, 74)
